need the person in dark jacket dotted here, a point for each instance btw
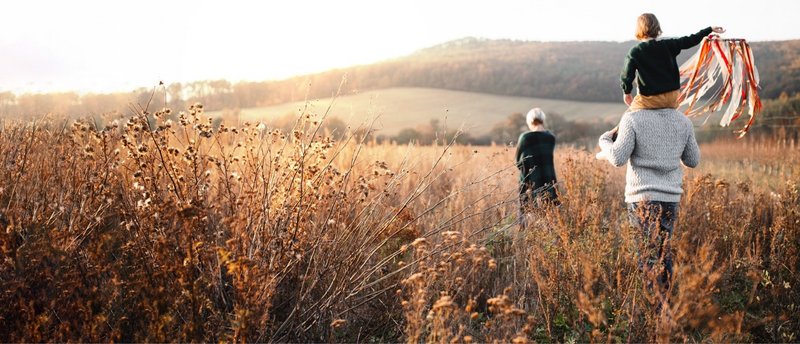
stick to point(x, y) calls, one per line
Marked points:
point(534, 159)
point(652, 64)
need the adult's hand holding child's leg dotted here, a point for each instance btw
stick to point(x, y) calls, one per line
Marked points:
point(602, 154)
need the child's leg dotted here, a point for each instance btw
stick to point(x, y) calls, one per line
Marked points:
point(657, 101)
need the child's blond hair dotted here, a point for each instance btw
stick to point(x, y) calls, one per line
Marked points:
point(647, 26)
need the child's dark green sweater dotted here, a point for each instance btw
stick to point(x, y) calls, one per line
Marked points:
point(653, 64)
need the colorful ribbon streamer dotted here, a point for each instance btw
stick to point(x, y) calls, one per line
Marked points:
point(721, 72)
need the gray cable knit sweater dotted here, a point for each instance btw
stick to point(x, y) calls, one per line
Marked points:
point(655, 142)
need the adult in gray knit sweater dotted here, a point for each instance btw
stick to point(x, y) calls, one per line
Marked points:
point(654, 143)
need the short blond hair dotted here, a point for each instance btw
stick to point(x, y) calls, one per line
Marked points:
point(647, 26)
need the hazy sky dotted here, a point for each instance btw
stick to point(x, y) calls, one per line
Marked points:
point(95, 46)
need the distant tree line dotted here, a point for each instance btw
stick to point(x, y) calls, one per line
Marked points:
point(505, 132)
point(584, 71)
point(779, 118)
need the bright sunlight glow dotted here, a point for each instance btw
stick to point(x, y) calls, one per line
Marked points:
point(101, 46)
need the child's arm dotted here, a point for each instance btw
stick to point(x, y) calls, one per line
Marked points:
point(686, 42)
point(626, 77)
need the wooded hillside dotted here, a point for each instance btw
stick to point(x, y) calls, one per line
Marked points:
point(585, 71)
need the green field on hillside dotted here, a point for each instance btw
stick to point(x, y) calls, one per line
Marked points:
point(398, 108)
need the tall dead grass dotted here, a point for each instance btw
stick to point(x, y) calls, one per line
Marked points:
point(162, 227)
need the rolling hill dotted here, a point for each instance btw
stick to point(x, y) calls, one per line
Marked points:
point(398, 108)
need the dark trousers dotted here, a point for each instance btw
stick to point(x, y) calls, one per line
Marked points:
point(655, 222)
point(530, 199)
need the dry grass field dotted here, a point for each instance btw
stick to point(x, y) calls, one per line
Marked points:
point(159, 228)
point(767, 164)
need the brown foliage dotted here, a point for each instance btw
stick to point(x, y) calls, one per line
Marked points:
point(157, 229)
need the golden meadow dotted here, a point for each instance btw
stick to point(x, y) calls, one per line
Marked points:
point(160, 227)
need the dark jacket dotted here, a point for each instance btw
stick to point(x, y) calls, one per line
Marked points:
point(535, 161)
